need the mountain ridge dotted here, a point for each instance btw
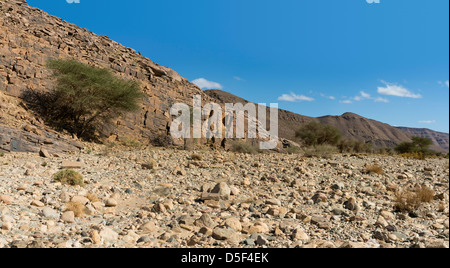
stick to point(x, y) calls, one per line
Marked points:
point(351, 125)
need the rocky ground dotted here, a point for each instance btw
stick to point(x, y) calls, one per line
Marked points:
point(173, 198)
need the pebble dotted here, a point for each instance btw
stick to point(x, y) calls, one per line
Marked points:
point(68, 217)
point(219, 202)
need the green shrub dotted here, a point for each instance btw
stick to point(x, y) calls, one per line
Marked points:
point(417, 146)
point(314, 133)
point(69, 176)
point(85, 98)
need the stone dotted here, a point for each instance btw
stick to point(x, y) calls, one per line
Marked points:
point(96, 238)
point(7, 226)
point(111, 202)
point(261, 240)
point(234, 224)
point(6, 199)
point(44, 153)
point(205, 221)
point(80, 199)
point(300, 235)
point(387, 215)
point(206, 231)
point(72, 164)
point(68, 217)
point(259, 228)
point(210, 196)
point(50, 213)
point(319, 197)
point(149, 227)
point(109, 235)
point(223, 190)
point(351, 204)
point(273, 201)
point(37, 203)
point(223, 233)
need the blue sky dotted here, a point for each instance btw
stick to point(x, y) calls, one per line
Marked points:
point(386, 61)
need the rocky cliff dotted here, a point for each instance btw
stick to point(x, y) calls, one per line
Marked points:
point(29, 37)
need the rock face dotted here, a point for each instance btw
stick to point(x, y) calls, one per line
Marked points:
point(29, 37)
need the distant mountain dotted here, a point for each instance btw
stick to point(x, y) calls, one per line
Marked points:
point(352, 126)
point(439, 138)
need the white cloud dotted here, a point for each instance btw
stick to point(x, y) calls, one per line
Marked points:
point(380, 99)
point(294, 98)
point(444, 84)
point(427, 122)
point(397, 90)
point(327, 97)
point(346, 101)
point(365, 95)
point(205, 84)
point(238, 78)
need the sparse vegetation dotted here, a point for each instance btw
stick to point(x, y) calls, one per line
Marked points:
point(242, 147)
point(354, 146)
point(410, 200)
point(293, 150)
point(375, 168)
point(196, 157)
point(150, 165)
point(314, 133)
point(69, 177)
point(320, 151)
point(414, 155)
point(132, 143)
point(92, 197)
point(76, 207)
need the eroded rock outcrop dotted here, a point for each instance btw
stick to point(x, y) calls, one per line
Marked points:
point(29, 37)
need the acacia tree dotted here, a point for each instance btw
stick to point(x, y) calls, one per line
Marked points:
point(87, 97)
point(418, 145)
point(314, 134)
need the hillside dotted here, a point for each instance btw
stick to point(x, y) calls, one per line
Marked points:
point(351, 125)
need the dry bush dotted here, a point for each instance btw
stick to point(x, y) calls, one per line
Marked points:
point(76, 207)
point(242, 147)
point(377, 169)
point(92, 197)
point(410, 200)
point(196, 157)
point(425, 194)
point(414, 155)
point(150, 165)
point(70, 177)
